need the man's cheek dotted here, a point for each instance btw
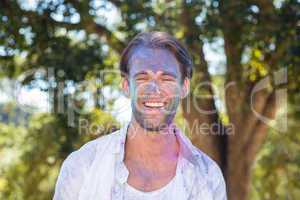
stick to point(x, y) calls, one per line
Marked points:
point(133, 95)
point(172, 105)
point(173, 89)
point(136, 105)
point(173, 94)
point(134, 89)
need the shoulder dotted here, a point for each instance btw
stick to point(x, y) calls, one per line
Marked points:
point(75, 167)
point(208, 165)
point(213, 174)
point(85, 155)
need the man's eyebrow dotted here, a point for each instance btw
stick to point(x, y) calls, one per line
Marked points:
point(169, 74)
point(140, 73)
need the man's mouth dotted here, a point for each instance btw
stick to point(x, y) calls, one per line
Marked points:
point(154, 104)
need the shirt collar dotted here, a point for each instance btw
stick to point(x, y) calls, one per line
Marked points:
point(191, 171)
point(186, 148)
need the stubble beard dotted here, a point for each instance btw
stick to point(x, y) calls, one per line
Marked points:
point(145, 121)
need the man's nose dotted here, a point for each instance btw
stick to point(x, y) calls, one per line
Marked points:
point(153, 86)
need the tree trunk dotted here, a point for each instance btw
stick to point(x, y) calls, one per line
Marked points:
point(235, 146)
point(236, 150)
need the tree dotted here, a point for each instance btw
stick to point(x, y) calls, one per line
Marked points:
point(35, 151)
point(259, 38)
point(277, 164)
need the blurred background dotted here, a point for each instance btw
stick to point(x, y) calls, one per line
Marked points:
point(59, 86)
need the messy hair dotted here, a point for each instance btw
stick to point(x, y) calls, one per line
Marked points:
point(158, 40)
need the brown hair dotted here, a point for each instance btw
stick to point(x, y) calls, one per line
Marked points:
point(158, 40)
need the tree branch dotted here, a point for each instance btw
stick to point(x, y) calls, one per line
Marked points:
point(117, 3)
point(92, 27)
point(87, 22)
point(260, 132)
point(266, 6)
point(214, 143)
point(233, 49)
point(257, 103)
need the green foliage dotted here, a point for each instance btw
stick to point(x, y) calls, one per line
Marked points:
point(31, 156)
point(276, 173)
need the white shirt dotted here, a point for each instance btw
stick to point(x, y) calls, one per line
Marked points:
point(97, 172)
point(164, 193)
point(167, 192)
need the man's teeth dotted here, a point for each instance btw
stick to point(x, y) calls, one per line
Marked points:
point(154, 104)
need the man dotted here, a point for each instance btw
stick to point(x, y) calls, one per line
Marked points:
point(149, 158)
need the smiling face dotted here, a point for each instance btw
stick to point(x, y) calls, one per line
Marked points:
point(155, 86)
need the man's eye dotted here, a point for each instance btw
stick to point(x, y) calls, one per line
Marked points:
point(168, 79)
point(141, 79)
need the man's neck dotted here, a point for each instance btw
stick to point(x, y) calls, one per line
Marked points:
point(141, 143)
point(151, 158)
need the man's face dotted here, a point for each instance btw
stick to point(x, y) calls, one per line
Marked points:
point(155, 87)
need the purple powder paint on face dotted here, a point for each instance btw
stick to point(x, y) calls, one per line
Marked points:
point(154, 74)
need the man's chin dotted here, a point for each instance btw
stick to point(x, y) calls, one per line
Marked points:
point(153, 123)
point(153, 126)
point(152, 129)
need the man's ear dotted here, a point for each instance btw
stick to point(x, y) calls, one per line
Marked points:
point(125, 87)
point(185, 88)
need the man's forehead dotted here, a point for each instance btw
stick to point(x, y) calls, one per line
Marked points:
point(153, 59)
